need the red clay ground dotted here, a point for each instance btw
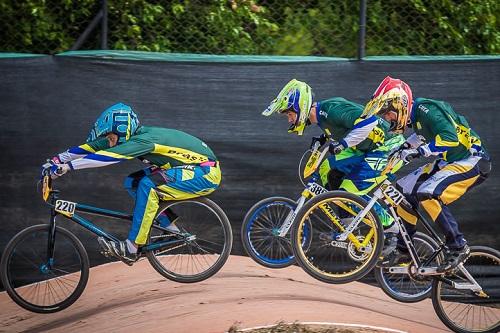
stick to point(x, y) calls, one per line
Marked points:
point(119, 298)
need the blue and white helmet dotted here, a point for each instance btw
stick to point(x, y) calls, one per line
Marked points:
point(119, 119)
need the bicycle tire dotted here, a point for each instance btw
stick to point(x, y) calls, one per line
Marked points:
point(161, 262)
point(480, 257)
point(255, 246)
point(15, 289)
point(418, 291)
point(305, 260)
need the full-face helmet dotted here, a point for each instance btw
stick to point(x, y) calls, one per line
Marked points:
point(296, 96)
point(119, 119)
point(391, 96)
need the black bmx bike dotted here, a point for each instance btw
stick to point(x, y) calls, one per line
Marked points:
point(45, 267)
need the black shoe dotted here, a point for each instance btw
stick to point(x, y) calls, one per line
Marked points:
point(120, 251)
point(390, 243)
point(453, 258)
point(397, 257)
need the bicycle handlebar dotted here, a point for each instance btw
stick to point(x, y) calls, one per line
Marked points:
point(394, 160)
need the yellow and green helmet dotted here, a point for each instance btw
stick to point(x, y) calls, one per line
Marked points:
point(295, 96)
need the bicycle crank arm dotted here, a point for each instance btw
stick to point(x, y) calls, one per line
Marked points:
point(428, 271)
point(398, 270)
point(365, 249)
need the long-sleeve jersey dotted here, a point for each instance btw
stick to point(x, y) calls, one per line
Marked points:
point(446, 133)
point(162, 147)
point(340, 119)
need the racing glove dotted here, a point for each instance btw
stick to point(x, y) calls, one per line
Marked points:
point(321, 139)
point(57, 170)
point(50, 162)
point(336, 148)
point(407, 155)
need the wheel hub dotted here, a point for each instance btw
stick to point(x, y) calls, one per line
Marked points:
point(413, 273)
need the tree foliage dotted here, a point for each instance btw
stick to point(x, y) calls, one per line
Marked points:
point(292, 27)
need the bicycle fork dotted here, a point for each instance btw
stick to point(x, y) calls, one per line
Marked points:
point(283, 230)
point(47, 266)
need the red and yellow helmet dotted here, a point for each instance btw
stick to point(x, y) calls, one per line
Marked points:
point(392, 95)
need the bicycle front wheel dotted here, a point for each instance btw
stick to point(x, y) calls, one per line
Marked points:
point(199, 249)
point(40, 283)
point(260, 232)
point(462, 309)
point(405, 287)
point(326, 256)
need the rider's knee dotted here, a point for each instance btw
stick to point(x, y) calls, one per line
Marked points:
point(425, 195)
point(335, 178)
point(130, 183)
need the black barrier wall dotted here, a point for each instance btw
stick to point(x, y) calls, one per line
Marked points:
point(48, 104)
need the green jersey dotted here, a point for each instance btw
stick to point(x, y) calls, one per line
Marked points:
point(446, 133)
point(162, 147)
point(340, 119)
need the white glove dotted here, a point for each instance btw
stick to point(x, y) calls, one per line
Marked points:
point(50, 162)
point(57, 170)
point(403, 146)
point(407, 155)
point(414, 141)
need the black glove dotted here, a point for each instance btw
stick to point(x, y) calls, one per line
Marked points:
point(321, 139)
point(336, 148)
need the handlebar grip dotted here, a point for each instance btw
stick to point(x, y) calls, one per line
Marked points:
point(316, 145)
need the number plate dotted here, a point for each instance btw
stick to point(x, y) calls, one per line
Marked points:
point(311, 164)
point(393, 195)
point(316, 189)
point(65, 207)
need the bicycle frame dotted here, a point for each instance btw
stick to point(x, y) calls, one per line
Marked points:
point(393, 198)
point(68, 209)
point(313, 188)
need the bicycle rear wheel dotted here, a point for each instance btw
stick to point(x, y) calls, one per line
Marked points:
point(463, 310)
point(405, 287)
point(260, 232)
point(202, 245)
point(38, 283)
point(327, 258)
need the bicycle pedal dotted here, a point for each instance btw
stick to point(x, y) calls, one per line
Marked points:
point(105, 253)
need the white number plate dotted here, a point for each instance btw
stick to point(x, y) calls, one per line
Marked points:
point(393, 195)
point(317, 189)
point(65, 207)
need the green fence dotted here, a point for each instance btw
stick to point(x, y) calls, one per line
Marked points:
point(343, 28)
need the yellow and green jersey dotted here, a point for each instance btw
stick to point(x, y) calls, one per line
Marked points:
point(162, 147)
point(340, 119)
point(447, 134)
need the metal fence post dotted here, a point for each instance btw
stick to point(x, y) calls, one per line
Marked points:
point(362, 29)
point(102, 17)
point(104, 25)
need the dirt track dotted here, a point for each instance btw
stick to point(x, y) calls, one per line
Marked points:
point(119, 298)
